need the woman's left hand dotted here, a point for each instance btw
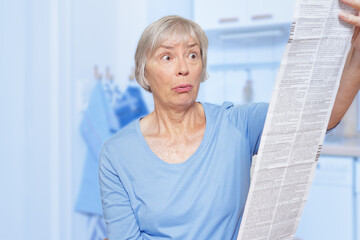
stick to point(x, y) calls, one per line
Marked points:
point(353, 20)
point(350, 80)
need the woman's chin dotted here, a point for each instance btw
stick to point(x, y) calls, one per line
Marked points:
point(184, 100)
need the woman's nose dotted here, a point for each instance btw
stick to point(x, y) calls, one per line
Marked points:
point(183, 69)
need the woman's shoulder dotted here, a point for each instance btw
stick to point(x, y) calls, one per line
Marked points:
point(216, 109)
point(126, 135)
point(229, 108)
point(242, 116)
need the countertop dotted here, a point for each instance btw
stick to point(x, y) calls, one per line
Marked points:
point(347, 148)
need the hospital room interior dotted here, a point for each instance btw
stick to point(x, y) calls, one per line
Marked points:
point(68, 65)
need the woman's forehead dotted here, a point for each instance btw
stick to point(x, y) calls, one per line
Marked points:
point(173, 39)
point(173, 42)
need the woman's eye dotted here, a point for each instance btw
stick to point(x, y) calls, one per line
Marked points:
point(166, 58)
point(193, 55)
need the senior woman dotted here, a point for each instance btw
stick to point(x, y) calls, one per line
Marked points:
point(183, 171)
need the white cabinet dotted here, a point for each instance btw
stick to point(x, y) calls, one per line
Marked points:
point(270, 12)
point(219, 14)
point(329, 210)
point(214, 14)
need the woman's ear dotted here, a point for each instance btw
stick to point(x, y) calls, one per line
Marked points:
point(146, 78)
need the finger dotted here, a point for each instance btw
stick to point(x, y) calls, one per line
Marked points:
point(349, 18)
point(352, 3)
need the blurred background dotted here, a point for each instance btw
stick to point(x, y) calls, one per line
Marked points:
point(67, 84)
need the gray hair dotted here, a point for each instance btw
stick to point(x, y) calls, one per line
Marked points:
point(169, 27)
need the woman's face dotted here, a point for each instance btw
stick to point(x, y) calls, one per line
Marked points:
point(174, 73)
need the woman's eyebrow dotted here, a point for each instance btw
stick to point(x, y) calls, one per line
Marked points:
point(192, 45)
point(166, 46)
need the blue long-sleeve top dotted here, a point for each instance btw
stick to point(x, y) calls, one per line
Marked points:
point(203, 198)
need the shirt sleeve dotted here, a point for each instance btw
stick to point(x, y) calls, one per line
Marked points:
point(119, 216)
point(250, 119)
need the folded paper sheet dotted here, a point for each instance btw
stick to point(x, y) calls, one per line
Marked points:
point(297, 119)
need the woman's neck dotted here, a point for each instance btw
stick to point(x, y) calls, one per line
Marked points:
point(173, 122)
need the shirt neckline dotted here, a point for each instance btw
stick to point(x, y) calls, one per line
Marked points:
point(192, 157)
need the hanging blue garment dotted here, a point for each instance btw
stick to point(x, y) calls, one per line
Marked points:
point(97, 228)
point(98, 124)
point(112, 93)
point(88, 200)
point(101, 121)
point(130, 106)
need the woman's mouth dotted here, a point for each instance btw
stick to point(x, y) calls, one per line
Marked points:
point(183, 88)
